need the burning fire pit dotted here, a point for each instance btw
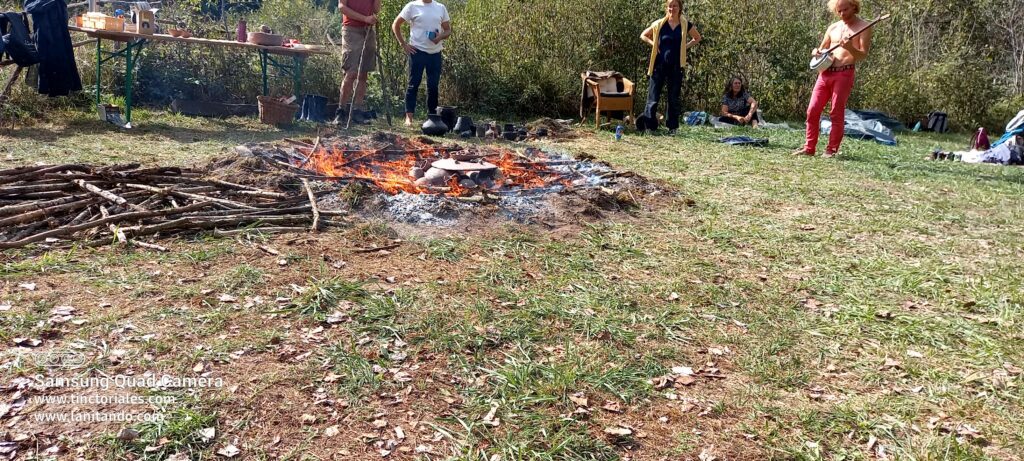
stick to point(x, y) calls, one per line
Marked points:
point(416, 166)
point(420, 180)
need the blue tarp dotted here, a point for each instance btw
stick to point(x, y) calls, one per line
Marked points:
point(858, 127)
point(1014, 128)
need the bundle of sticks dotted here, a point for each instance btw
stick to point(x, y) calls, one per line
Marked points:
point(95, 205)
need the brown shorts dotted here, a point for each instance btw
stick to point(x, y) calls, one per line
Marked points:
point(352, 41)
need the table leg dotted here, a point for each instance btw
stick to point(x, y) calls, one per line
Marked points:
point(99, 67)
point(131, 56)
point(298, 62)
point(263, 69)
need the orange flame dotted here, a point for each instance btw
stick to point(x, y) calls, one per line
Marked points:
point(389, 168)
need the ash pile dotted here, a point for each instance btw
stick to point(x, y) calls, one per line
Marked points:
point(416, 180)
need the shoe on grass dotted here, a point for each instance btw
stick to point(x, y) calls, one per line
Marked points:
point(340, 117)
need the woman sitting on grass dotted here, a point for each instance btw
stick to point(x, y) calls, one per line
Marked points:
point(738, 107)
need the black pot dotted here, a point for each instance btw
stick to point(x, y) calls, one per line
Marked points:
point(448, 114)
point(463, 124)
point(510, 135)
point(509, 127)
point(434, 126)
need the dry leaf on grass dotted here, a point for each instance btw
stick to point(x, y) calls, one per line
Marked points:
point(28, 342)
point(914, 354)
point(891, 364)
point(580, 399)
point(207, 434)
point(229, 451)
point(613, 407)
point(490, 418)
point(618, 431)
point(685, 371)
point(332, 431)
point(685, 380)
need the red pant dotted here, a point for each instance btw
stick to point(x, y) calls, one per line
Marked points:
point(834, 86)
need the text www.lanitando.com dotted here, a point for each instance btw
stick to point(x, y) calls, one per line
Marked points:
point(97, 417)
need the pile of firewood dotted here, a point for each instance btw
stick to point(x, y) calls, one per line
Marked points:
point(94, 205)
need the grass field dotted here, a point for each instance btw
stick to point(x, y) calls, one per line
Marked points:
point(859, 308)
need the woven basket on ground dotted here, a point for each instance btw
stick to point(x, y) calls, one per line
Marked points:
point(274, 112)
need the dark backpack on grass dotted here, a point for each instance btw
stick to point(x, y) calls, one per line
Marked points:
point(17, 41)
point(937, 122)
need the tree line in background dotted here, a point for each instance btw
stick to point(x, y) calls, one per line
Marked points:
point(523, 57)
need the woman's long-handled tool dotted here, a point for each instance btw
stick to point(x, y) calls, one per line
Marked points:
point(824, 61)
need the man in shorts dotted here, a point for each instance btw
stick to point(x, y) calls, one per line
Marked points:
point(356, 36)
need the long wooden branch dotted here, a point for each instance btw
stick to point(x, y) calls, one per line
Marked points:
point(165, 191)
point(312, 204)
point(67, 230)
point(110, 196)
point(33, 215)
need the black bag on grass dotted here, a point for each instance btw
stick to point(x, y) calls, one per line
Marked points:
point(937, 122)
point(17, 41)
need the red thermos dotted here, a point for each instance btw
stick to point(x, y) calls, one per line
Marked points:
point(241, 34)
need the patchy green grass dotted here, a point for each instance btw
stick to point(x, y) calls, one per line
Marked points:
point(321, 296)
point(838, 309)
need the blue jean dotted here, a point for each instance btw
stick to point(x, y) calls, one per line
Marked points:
point(418, 62)
point(669, 76)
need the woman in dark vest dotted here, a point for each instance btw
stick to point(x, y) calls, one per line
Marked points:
point(738, 107)
point(669, 38)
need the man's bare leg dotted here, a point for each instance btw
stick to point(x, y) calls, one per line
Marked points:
point(346, 89)
point(361, 85)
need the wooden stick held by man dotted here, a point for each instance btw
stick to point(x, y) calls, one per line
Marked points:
point(359, 53)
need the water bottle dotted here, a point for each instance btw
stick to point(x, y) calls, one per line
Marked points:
point(618, 132)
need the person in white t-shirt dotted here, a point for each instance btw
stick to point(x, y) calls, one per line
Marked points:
point(429, 26)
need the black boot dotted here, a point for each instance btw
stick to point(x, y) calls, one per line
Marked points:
point(341, 115)
point(359, 117)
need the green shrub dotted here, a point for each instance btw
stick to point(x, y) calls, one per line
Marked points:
point(521, 58)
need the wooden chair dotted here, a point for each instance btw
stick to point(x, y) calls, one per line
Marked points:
point(610, 95)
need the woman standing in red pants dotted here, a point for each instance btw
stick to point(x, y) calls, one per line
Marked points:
point(835, 83)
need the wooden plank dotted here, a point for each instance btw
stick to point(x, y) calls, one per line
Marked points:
point(128, 36)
